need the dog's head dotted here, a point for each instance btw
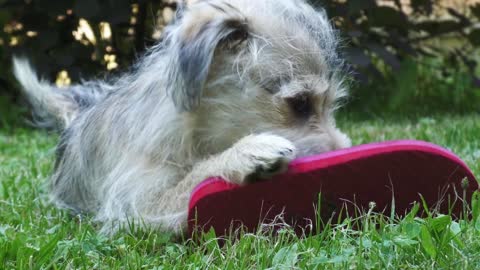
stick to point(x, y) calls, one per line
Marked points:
point(247, 66)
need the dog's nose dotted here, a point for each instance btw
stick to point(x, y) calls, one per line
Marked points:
point(325, 141)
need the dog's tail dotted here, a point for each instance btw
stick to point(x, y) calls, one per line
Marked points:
point(52, 106)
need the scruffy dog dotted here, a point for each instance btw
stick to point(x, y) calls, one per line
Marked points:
point(237, 89)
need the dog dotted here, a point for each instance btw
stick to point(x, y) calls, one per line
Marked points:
point(235, 89)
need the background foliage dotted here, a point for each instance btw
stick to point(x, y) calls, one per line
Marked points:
point(419, 52)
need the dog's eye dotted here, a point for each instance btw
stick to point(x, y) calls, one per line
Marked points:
point(301, 105)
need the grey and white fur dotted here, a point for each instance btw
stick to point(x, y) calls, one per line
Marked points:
point(236, 88)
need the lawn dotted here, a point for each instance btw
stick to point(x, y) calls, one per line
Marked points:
point(33, 234)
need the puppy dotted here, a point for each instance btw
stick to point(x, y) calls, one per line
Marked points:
point(236, 89)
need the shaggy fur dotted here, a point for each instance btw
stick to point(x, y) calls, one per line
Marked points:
point(237, 89)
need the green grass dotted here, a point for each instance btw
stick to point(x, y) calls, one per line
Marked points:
point(34, 235)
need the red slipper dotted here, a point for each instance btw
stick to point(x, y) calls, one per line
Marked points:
point(348, 180)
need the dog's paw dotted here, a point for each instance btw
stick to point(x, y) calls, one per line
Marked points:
point(261, 156)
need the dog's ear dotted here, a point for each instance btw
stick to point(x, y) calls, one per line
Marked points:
point(195, 49)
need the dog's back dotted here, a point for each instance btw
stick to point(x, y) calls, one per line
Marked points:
point(64, 109)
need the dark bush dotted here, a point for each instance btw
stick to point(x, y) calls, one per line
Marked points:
point(418, 57)
point(379, 38)
point(392, 32)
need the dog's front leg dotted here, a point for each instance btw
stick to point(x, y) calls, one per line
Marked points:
point(253, 157)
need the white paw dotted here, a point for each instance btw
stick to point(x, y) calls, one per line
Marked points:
point(260, 156)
